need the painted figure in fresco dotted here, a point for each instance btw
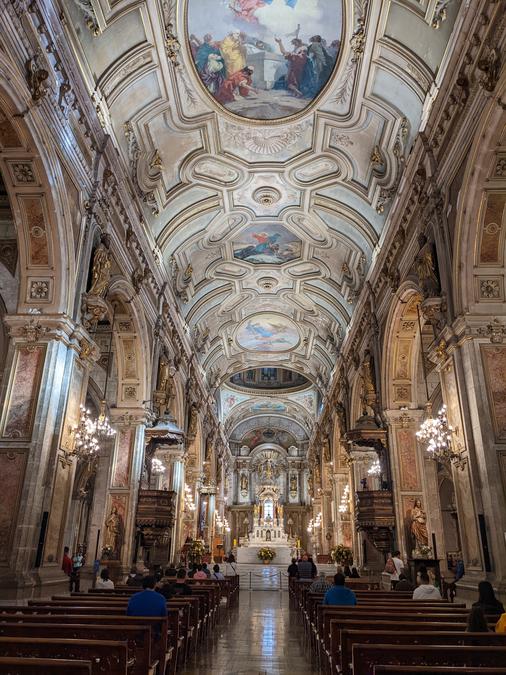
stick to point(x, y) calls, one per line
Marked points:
point(266, 245)
point(297, 62)
point(101, 270)
point(112, 537)
point(238, 83)
point(204, 48)
point(233, 51)
point(419, 525)
point(321, 59)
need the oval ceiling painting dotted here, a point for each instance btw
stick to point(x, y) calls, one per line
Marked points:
point(268, 332)
point(265, 59)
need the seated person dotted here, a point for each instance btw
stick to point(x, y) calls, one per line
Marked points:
point(181, 587)
point(200, 574)
point(147, 602)
point(217, 574)
point(338, 594)
point(425, 590)
point(487, 600)
point(103, 581)
point(134, 577)
point(404, 584)
point(319, 585)
point(165, 587)
point(206, 570)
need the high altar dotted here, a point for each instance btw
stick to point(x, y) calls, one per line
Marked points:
point(268, 528)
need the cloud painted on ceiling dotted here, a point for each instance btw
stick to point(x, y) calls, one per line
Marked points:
point(268, 332)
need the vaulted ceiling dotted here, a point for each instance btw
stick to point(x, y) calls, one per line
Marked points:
point(213, 184)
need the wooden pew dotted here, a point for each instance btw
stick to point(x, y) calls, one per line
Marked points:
point(434, 670)
point(30, 666)
point(400, 637)
point(366, 657)
point(138, 638)
point(160, 651)
point(106, 656)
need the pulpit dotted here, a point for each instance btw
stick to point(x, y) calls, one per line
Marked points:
point(155, 520)
point(375, 516)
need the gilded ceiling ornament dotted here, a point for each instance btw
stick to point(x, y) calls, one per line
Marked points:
point(490, 66)
point(440, 13)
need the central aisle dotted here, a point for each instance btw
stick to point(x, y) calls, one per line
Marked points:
point(260, 636)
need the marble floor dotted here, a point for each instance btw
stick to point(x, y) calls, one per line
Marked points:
point(259, 636)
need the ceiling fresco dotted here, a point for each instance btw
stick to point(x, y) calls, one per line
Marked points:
point(264, 59)
point(264, 194)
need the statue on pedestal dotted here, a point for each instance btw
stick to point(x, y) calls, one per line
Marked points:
point(419, 525)
point(112, 538)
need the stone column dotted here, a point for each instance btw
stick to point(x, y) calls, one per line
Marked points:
point(474, 387)
point(124, 474)
point(408, 466)
point(35, 451)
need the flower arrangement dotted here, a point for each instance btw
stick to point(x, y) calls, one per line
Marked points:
point(423, 552)
point(197, 550)
point(341, 555)
point(266, 554)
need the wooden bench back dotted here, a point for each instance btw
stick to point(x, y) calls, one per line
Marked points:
point(365, 657)
point(29, 666)
point(106, 656)
point(351, 637)
point(435, 670)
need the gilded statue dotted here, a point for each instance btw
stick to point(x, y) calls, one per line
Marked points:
point(280, 512)
point(419, 525)
point(112, 538)
point(256, 512)
point(101, 269)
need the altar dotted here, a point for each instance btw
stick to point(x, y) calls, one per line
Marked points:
point(268, 529)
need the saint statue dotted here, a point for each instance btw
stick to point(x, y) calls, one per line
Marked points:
point(244, 482)
point(268, 469)
point(256, 512)
point(426, 271)
point(280, 513)
point(419, 525)
point(101, 269)
point(113, 528)
point(293, 483)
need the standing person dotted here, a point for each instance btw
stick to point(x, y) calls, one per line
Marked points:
point(426, 591)
point(338, 594)
point(217, 574)
point(305, 568)
point(292, 568)
point(297, 60)
point(399, 568)
point(75, 576)
point(103, 581)
point(487, 600)
point(314, 569)
point(66, 562)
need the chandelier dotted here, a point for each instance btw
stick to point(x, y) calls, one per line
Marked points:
point(315, 523)
point(436, 434)
point(345, 498)
point(375, 468)
point(102, 425)
point(222, 523)
point(86, 444)
point(157, 466)
point(188, 498)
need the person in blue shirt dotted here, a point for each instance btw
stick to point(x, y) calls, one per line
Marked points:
point(338, 594)
point(148, 602)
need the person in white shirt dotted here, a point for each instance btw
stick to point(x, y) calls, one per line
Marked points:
point(103, 581)
point(426, 591)
point(399, 568)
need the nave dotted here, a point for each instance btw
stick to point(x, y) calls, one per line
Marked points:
point(260, 636)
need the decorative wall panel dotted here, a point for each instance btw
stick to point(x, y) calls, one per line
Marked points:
point(23, 392)
point(12, 470)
